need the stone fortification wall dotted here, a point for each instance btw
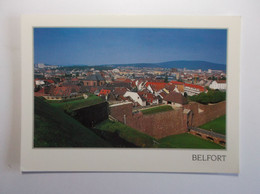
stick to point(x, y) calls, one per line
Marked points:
point(205, 113)
point(90, 116)
point(167, 123)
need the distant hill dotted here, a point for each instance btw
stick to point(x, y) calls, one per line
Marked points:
point(54, 128)
point(203, 65)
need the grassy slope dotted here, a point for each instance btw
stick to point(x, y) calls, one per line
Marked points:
point(77, 103)
point(125, 132)
point(186, 140)
point(54, 128)
point(156, 109)
point(140, 139)
point(218, 125)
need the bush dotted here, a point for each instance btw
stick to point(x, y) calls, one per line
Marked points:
point(213, 96)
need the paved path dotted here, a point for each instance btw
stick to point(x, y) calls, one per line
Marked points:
point(210, 133)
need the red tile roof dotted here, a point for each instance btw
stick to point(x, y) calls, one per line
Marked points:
point(147, 96)
point(176, 83)
point(155, 83)
point(49, 81)
point(120, 90)
point(104, 92)
point(163, 94)
point(92, 89)
point(175, 97)
point(201, 88)
point(170, 87)
point(40, 92)
point(156, 86)
point(123, 80)
point(221, 81)
point(64, 90)
point(74, 79)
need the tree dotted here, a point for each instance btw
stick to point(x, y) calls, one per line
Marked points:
point(135, 89)
point(213, 96)
point(179, 80)
point(166, 79)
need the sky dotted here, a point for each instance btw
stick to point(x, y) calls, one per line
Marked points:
point(96, 46)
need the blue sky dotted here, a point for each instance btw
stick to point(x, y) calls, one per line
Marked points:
point(95, 46)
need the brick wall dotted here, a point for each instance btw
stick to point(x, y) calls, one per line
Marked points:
point(157, 125)
point(167, 123)
point(161, 124)
point(205, 113)
point(118, 111)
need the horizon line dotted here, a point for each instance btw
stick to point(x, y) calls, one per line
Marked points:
point(130, 63)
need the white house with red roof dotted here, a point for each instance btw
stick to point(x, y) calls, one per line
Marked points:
point(140, 84)
point(150, 98)
point(219, 84)
point(155, 87)
point(39, 82)
point(135, 97)
point(192, 89)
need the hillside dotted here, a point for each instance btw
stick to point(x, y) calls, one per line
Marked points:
point(54, 128)
point(203, 65)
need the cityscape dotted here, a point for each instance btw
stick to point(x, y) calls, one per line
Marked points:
point(155, 103)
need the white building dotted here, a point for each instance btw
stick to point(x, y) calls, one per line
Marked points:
point(41, 65)
point(39, 82)
point(135, 97)
point(192, 89)
point(219, 84)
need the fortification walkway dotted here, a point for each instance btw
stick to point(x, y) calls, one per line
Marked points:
point(209, 135)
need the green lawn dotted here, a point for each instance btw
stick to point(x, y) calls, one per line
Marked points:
point(186, 140)
point(156, 109)
point(77, 103)
point(54, 128)
point(127, 133)
point(218, 125)
point(131, 135)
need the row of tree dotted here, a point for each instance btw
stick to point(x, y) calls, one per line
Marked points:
point(212, 96)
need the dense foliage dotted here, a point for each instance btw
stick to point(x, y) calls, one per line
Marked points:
point(213, 96)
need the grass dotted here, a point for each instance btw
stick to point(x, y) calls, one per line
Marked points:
point(187, 140)
point(131, 135)
point(54, 128)
point(156, 109)
point(218, 125)
point(78, 103)
point(127, 133)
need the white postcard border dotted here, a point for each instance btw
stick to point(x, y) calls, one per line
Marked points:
point(129, 159)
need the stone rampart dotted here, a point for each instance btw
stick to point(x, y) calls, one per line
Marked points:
point(167, 123)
